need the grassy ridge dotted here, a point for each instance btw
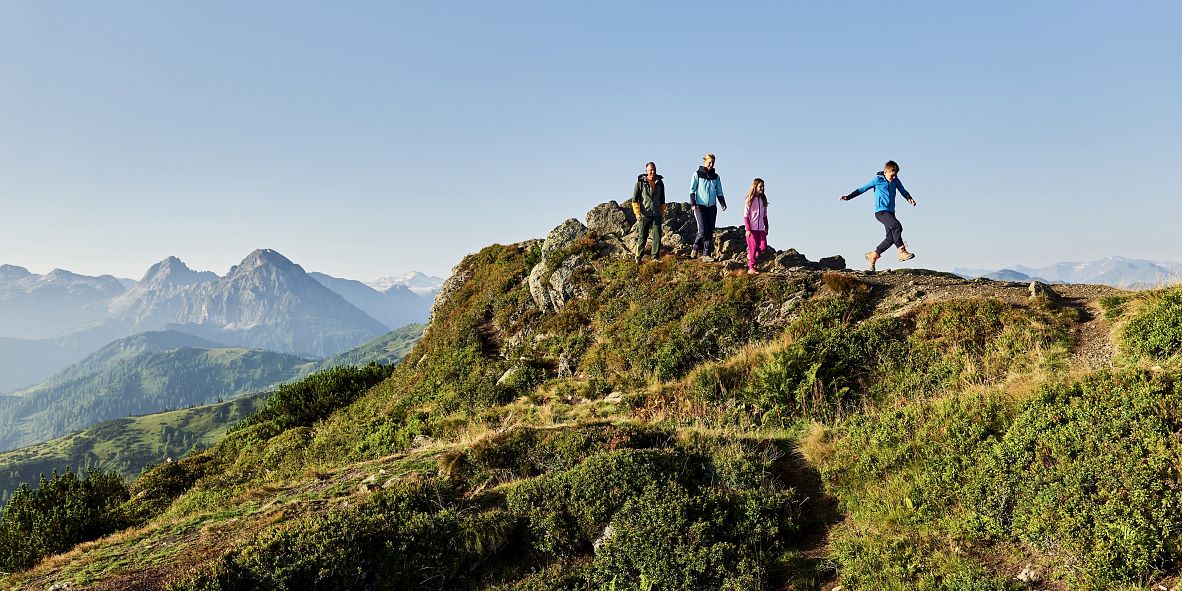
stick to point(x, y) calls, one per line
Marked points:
point(663, 430)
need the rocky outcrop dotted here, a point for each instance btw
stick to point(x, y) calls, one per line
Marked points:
point(612, 229)
point(550, 282)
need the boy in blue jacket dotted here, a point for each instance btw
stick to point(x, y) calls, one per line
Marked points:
point(885, 183)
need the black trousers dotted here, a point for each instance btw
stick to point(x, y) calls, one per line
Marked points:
point(894, 231)
point(705, 217)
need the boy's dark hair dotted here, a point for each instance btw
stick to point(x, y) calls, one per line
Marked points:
point(891, 165)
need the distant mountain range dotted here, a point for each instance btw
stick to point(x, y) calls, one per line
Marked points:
point(266, 302)
point(75, 300)
point(1115, 271)
point(415, 281)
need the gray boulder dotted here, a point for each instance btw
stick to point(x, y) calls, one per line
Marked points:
point(563, 236)
point(730, 243)
point(789, 259)
point(551, 285)
point(611, 219)
point(833, 263)
point(549, 280)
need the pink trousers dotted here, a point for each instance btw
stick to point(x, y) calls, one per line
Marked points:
point(756, 244)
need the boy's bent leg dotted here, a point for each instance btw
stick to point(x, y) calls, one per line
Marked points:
point(899, 235)
point(894, 230)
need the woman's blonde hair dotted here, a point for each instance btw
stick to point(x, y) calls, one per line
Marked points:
point(751, 192)
point(709, 157)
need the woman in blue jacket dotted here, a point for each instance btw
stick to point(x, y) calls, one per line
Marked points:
point(705, 192)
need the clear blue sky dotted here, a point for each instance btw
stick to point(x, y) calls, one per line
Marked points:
point(367, 139)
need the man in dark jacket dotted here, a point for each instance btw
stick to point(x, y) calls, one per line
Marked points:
point(648, 202)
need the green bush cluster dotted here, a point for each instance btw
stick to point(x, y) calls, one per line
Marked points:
point(665, 518)
point(1156, 331)
point(306, 401)
point(61, 512)
point(1088, 473)
point(827, 367)
point(525, 453)
point(1085, 474)
point(680, 514)
point(1113, 306)
point(413, 536)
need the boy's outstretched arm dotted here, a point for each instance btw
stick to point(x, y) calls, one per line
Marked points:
point(906, 195)
point(859, 190)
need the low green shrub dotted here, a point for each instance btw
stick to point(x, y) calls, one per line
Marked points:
point(1156, 331)
point(1085, 474)
point(1089, 474)
point(1113, 306)
point(415, 536)
point(303, 402)
point(61, 512)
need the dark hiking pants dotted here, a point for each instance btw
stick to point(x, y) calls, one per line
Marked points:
point(705, 217)
point(646, 223)
point(894, 231)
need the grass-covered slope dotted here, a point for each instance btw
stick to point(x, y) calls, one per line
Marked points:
point(673, 426)
point(387, 349)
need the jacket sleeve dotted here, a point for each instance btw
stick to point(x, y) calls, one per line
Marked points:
point(862, 189)
point(636, 200)
point(902, 189)
point(694, 189)
point(747, 216)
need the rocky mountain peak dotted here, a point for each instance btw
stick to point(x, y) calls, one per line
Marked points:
point(264, 257)
point(11, 272)
point(172, 271)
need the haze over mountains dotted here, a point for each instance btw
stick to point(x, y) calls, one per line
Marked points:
point(1115, 271)
point(266, 302)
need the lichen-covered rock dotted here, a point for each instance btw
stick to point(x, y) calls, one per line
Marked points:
point(730, 243)
point(610, 219)
point(551, 285)
point(450, 287)
point(563, 235)
point(770, 314)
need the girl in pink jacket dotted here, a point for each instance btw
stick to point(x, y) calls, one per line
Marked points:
point(755, 221)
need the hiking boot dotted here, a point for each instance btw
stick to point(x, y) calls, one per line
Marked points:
point(905, 256)
point(694, 253)
point(636, 259)
point(752, 272)
point(871, 258)
point(707, 259)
